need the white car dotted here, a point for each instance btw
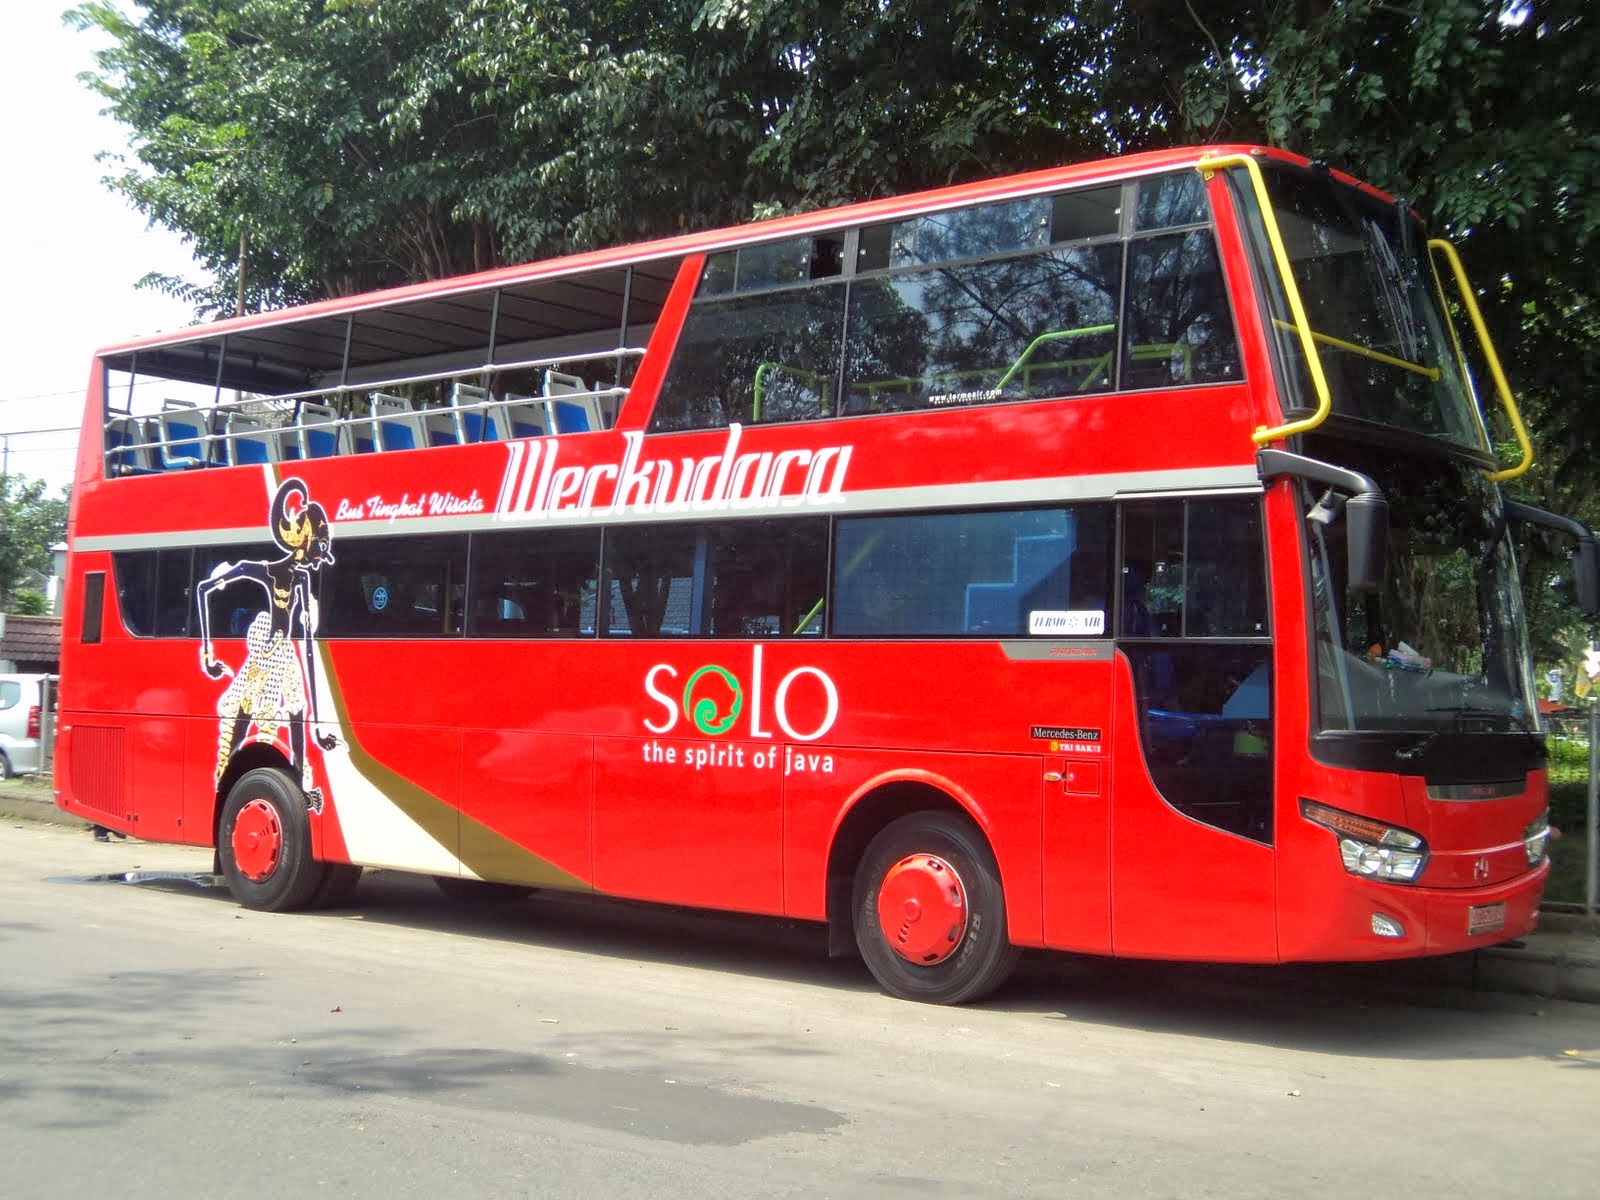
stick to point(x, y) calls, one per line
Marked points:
point(21, 720)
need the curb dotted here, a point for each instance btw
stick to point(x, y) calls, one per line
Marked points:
point(32, 803)
point(1561, 961)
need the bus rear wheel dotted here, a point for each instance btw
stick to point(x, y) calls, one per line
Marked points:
point(264, 843)
point(929, 911)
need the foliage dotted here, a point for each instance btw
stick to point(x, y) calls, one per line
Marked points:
point(360, 143)
point(28, 602)
point(31, 521)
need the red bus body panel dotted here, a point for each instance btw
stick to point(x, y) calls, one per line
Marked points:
point(558, 763)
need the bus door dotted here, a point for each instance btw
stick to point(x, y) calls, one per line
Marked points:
point(1077, 786)
point(1191, 807)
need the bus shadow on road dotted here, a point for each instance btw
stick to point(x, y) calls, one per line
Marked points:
point(607, 927)
point(1390, 1010)
point(1415, 1009)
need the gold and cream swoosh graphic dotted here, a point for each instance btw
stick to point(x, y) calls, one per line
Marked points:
point(480, 849)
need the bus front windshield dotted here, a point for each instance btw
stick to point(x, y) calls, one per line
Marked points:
point(1436, 647)
point(1373, 304)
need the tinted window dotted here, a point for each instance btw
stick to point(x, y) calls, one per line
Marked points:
point(1194, 602)
point(757, 578)
point(1179, 328)
point(1037, 325)
point(773, 264)
point(988, 574)
point(1168, 200)
point(155, 590)
point(174, 586)
point(231, 609)
point(394, 587)
point(650, 581)
point(135, 574)
point(533, 583)
point(1194, 568)
point(1205, 722)
point(770, 356)
point(767, 578)
point(94, 591)
point(976, 232)
point(1093, 213)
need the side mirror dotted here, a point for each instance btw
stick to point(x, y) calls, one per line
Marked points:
point(1366, 512)
point(1366, 534)
point(1585, 556)
point(1586, 575)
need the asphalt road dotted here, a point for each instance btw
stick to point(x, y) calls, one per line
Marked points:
point(156, 1040)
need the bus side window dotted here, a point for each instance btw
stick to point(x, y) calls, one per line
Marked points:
point(988, 573)
point(1178, 328)
point(762, 340)
point(532, 583)
point(94, 593)
point(650, 581)
point(230, 610)
point(767, 577)
point(394, 587)
point(135, 575)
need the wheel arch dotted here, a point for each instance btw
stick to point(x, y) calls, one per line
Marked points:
point(875, 805)
point(246, 758)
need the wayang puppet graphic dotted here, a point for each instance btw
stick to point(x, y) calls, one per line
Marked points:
point(275, 686)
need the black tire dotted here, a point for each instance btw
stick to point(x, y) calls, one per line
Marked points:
point(272, 882)
point(338, 886)
point(981, 957)
point(463, 890)
point(5, 767)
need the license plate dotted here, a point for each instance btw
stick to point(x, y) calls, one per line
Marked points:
point(1486, 918)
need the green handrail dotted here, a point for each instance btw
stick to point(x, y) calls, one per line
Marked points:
point(1054, 336)
point(768, 368)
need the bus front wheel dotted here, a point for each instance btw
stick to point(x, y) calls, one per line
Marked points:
point(929, 911)
point(264, 843)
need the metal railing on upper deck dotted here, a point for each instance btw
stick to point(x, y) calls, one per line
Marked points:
point(317, 423)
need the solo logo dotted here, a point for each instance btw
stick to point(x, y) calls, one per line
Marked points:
point(713, 699)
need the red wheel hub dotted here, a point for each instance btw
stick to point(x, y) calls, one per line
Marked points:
point(922, 908)
point(257, 841)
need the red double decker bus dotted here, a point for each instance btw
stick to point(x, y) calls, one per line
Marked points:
point(1109, 559)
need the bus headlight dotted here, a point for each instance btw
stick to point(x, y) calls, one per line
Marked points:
point(1370, 848)
point(1536, 838)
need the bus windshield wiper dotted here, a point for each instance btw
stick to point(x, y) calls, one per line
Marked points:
point(1417, 748)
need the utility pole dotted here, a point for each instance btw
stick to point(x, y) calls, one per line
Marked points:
point(238, 304)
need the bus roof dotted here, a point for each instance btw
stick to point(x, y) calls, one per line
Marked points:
point(668, 251)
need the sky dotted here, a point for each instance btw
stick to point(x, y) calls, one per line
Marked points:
point(70, 250)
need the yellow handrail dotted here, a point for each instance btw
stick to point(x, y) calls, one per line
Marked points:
point(1471, 304)
point(1319, 381)
point(1405, 364)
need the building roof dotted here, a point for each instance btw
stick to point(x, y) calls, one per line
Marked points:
point(31, 641)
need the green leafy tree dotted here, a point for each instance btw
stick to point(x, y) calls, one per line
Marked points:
point(31, 521)
point(350, 144)
point(340, 146)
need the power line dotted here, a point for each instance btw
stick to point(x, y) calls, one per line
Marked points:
point(41, 396)
point(80, 392)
